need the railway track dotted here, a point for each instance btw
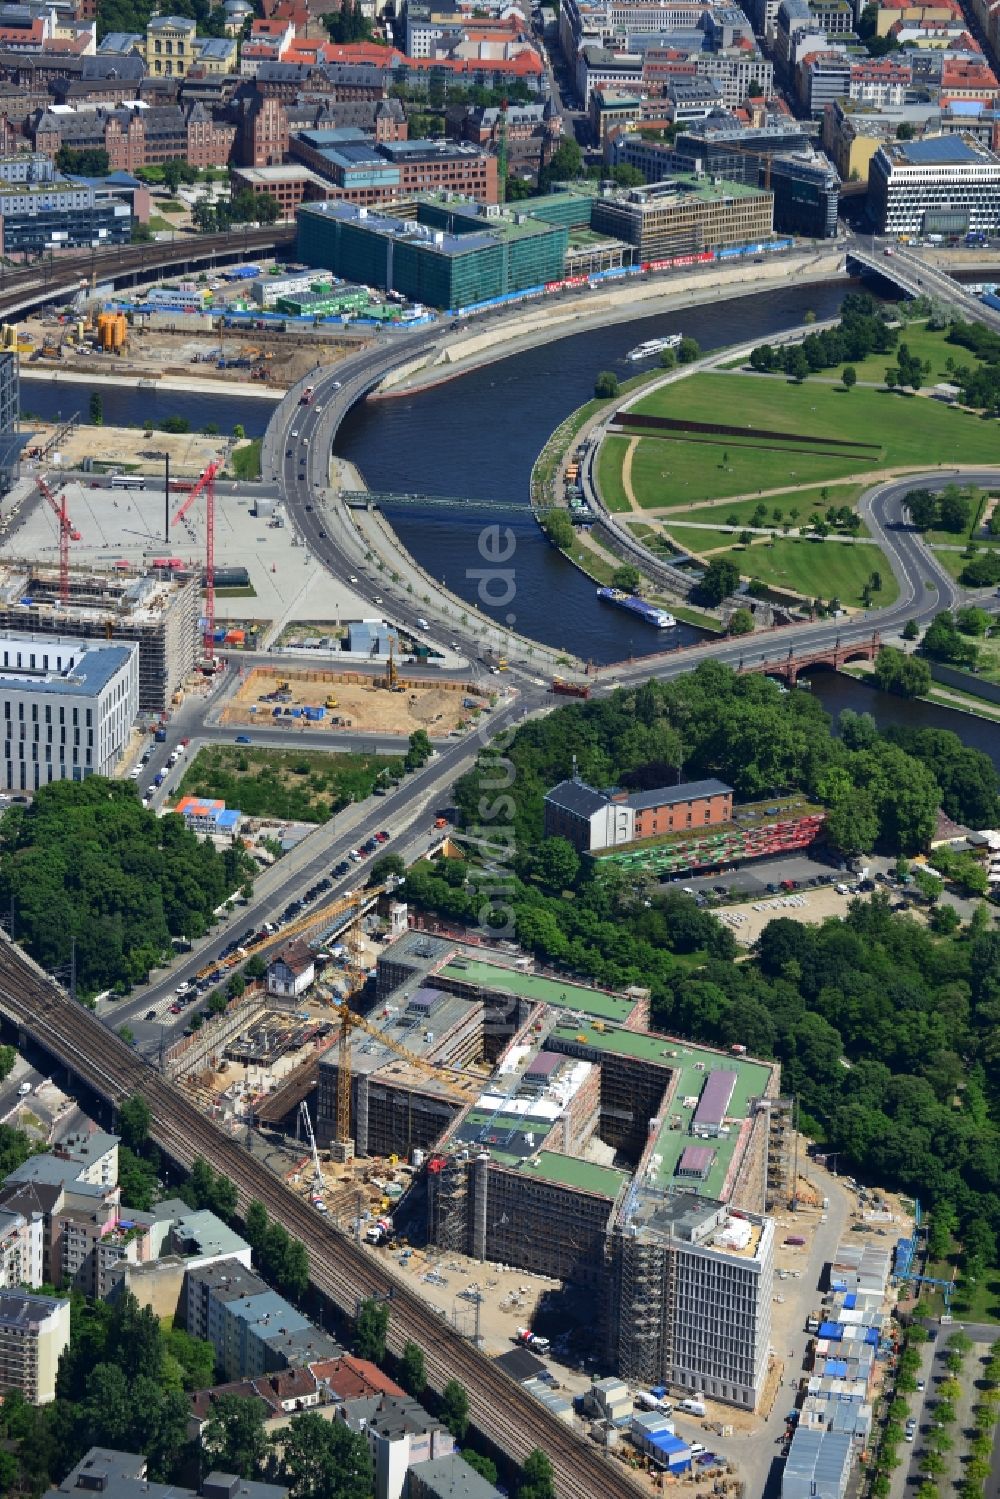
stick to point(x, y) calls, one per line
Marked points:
point(339, 1268)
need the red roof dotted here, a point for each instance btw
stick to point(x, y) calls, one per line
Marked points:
point(349, 1378)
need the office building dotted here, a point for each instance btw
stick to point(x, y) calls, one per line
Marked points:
point(947, 184)
point(12, 439)
point(370, 171)
point(443, 254)
point(290, 185)
point(122, 1475)
point(158, 609)
point(806, 192)
point(41, 210)
point(686, 216)
point(66, 708)
point(34, 1332)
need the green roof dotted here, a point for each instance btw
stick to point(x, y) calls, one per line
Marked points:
point(751, 1082)
point(559, 993)
point(588, 1176)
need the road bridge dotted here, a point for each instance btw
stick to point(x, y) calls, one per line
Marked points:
point(917, 277)
point(790, 666)
point(339, 1268)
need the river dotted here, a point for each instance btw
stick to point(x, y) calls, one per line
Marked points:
point(837, 692)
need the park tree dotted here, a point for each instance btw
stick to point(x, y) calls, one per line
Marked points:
point(688, 350)
point(134, 1119)
point(741, 622)
point(721, 578)
point(370, 1330)
point(626, 577)
point(234, 1439)
point(537, 1477)
point(606, 385)
point(455, 1409)
point(849, 377)
point(906, 676)
point(556, 864)
point(559, 529)
point(852, 824)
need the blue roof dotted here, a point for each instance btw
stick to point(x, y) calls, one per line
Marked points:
point(227, 819)
point(831, 1330)
point(937, 150)
point(836, 1368)
point(88, 677)
point(966, 107)
point(665, 1441)
point(850, 1301)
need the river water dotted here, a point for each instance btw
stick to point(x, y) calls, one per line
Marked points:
point(839, 692)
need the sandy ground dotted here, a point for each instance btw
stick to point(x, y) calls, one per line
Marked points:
point(360, 704)
point(189, 451)
point(747, 922)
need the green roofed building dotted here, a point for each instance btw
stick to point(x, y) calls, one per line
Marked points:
point(443, 254)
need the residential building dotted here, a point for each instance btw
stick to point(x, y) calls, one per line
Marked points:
point(22, 1246)
point(689, 99)
point(216, 54)
point(685, 216)
point(821, 78)
point(171, 46)
point(882, 82)
point(448, 1478)
point(399, 1433)
point(252, 1329)
point(280, 1395)
point(533, 132)
point(122, 1475)
point(968, 79)
point(291, 970)
point(444, 254)
point(179, 1240)
point(944, 184)
point(66, 706)
point(34, 1333)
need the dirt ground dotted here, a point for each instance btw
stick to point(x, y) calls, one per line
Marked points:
point(361, 705)
point(189, 451)
point(748, 919)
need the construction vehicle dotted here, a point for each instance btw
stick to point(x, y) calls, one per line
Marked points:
point(380, 1232)
point(331, 702)
point(391, 674)
point(502, 664)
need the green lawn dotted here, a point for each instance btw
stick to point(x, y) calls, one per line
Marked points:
point(975, 522)
point(805, 501)
point(681, 473)
point(818, 569)
point(953, 562)
point(925, 345)
point(158, 224)
point(910, 430)
point(246, 460)
point(609, 472)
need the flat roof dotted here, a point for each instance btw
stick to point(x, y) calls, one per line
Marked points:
point(941, 150)
point(559, 993)
point(694, 1067)
point(587, 1176)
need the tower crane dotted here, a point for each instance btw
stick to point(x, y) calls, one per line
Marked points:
point(67, 533)
point(311, 1137)
point(206, 485)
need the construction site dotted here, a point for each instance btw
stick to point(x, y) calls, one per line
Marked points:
point(388, 703)
point(545, 1129)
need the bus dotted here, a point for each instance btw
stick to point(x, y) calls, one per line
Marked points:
point(128, 481)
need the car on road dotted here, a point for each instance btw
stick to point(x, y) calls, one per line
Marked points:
point(794, 1240)
point(24, 1090)
point(150, 1015)
point(243, 739)
point(920, 1384)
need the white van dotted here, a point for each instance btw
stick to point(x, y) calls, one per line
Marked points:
point(422, 623)
point(692, 1407)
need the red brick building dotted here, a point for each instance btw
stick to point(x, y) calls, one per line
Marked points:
point(592, 820)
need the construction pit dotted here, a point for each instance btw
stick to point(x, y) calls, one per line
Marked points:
point(355, 701)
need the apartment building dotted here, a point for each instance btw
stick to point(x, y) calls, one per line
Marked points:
point(942, 184)
point(34, 1332)
point(252, 1329)
point(22, 1245)
point(66, 708)
point(122, 1475)
point(400, 1434)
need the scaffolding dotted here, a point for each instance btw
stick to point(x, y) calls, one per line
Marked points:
point(644, 1309)
point(447, 1201)
point(781, 1151)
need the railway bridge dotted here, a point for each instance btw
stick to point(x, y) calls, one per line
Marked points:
point(339, 1268)
point(789, 666)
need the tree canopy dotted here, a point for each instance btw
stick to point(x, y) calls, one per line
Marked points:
point(87, 860)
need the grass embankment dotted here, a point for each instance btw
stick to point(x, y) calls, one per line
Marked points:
point(954, 561)
point(610, 461)
point(926, 346)
point(906, 430)
point(299, 785)
point(246, 459)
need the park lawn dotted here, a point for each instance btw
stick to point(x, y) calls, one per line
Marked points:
point(609, 473)
point(925, 344)
point(957, 537)
point(694, 539)
point(819, 569)
point(297, 784)
point(907, 433)
point(158, 224)
point(805, 501)
point(953, 561)
point(668, 473)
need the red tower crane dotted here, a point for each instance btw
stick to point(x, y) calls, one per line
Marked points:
point(206, 485)
point(67, 533)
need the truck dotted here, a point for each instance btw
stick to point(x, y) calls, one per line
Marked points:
point(160, 736)
point(529, 1339)
point(562, 688)
point(306, 396)
point(380, 1232)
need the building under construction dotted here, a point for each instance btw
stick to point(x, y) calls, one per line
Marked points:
point(156, 608)
point(633, 1164)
